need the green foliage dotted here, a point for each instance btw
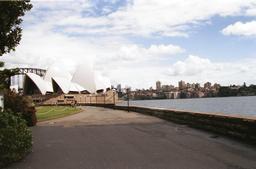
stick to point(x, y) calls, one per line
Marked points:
point(227, 91)
point(10, 33)
point(15, 138)
point(5, 77)
point(10, 20)
point(247, 91)
point(21, 104)
point(236, 91)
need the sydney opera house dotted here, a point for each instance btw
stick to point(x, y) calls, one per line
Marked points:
point(54, 86)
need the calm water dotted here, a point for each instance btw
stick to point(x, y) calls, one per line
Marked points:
point(243, 106)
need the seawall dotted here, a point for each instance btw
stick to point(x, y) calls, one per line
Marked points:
point(243, 129)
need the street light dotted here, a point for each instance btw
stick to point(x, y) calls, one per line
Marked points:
point(128, 98)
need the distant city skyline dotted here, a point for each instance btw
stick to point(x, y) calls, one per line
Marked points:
point(158, 83)
point(137, 42)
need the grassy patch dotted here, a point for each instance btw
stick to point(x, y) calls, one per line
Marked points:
point(52, 112)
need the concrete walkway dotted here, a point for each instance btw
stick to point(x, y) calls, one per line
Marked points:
point(101, 138)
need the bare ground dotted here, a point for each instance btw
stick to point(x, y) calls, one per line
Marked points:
point(100, 138)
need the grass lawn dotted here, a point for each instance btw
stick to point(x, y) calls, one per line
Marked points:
point(52, 112)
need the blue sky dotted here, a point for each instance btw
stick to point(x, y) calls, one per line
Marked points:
point(137, 42)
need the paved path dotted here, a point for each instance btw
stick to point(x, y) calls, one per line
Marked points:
point(101, 138)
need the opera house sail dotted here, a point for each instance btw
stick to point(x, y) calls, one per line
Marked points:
point(83, 84)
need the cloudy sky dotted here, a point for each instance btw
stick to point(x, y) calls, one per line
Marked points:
point(136, 42)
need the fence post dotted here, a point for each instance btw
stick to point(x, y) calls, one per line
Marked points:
point(128, 99)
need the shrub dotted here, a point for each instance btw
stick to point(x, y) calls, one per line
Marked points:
point(21, 104)
point(15, 138)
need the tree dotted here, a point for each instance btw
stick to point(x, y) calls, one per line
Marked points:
point(5, 76)
point(10, 32)
point(15, 136)
point(10, 20)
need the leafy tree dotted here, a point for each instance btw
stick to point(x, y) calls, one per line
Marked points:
point(10, 32)
point(10, 20)
point(15, 136)
point(5, 76)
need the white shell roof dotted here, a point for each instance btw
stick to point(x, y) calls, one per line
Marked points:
point(42, 85)
point(84, 76)
point(74, 87)
point(83, 79)
point(102, 82)
point(49, 86)
point(55, 72)
point(63, 83)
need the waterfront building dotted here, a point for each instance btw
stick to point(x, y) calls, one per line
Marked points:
point(216, 86)
point(193, 85)
point(119, 88)
point(167, 88)
point(84, 80)
point(197, 86)
point(54, 86)
point(158, 85)
point(189, 85)
point(207, 85)
point(182, 84)
point(172, 95)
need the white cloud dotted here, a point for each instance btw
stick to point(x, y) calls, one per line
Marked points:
point(241, 29)
point(38, 50)
point(165, 49)
point(66, 33)
point(191, 66)
point(116, 58)
point(198, 69)
point(251, 12)
point(133, 52)
point(172, 18)
point(140, 17)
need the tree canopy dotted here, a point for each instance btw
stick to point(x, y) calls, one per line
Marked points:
point(10, 32)
point(10, 20)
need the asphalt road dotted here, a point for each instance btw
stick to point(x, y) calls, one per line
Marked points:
point(109, 139)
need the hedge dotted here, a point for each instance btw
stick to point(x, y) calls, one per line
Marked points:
point(21, 105)
point(15, 138)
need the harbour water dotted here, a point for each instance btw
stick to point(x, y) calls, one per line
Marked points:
point(237, 106)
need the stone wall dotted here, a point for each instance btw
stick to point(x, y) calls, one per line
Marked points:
point(236, 127)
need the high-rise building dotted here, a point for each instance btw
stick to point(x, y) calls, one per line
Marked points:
point(197, 85)
point(118, 88)
point(182, 84)
point(193, 85)
point(189, 85)
point(158, 85)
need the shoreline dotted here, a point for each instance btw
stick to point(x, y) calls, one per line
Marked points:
point(248, 117)
point(226, 106)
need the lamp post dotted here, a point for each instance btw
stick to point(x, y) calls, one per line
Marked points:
point(128, 98)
